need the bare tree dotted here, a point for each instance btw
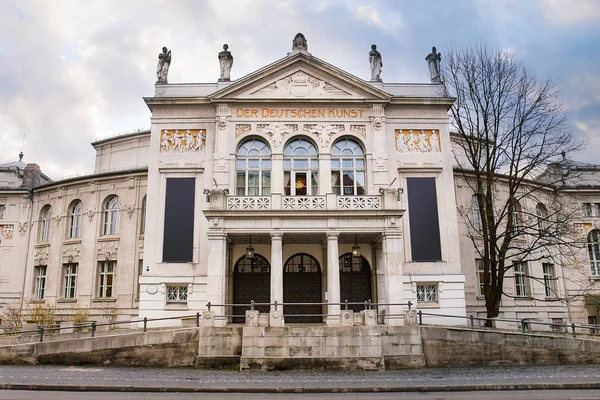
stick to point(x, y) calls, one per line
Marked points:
point(510, 127)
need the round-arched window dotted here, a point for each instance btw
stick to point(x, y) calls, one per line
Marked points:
point(75, 213)
point(253, 169)
point(347, 168)
point(300, 168)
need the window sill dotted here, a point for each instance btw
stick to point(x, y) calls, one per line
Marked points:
point(595, 278)
point(428, 305)
point(176, 306)
point(480, 297)
point(108, 238)
point(104, 300)
point(42, 244)
point(66, 301)
point(523, 299)
point(36, 301)
point(72, 241)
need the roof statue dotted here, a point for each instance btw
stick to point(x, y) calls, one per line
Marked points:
point(225, 63)
point(162, 69)
point(434, 65)
point(299, 42)
point(376, 64)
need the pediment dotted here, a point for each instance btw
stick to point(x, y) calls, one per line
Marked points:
point(300, 77)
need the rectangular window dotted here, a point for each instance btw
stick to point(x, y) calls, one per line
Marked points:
point(177, 294)
point(592, 320)
point(549, 280)
point(521, 289)
point(591, 209)
point(557, 325)
point(178, 242)
point(424, 222)
point(480, 274)
point(40, 281)
point(2, 211)
point(427, 293)
point(70, 280)
point(106, 278)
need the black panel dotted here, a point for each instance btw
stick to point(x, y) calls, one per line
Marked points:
point(424, 221)
point(178, 242)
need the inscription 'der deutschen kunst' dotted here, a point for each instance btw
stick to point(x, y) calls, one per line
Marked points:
point(331, 112)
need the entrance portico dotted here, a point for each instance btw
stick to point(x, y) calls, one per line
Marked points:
point(303, 250)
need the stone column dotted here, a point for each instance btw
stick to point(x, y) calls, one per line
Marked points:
point(276, 269)
point(324, 174)
point(216, 273)
point(333, 280)
point(392, 255)
point(277, 173)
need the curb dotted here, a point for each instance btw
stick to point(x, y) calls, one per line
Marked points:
point(381, 389)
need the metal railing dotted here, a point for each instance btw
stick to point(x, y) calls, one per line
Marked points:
point(523, 324)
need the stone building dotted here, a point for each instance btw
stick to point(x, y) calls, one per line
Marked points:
point(298, 183)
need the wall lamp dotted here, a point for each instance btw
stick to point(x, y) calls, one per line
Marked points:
point(207, 193)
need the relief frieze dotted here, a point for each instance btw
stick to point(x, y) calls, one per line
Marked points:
point(182, 141)
point(417, 141)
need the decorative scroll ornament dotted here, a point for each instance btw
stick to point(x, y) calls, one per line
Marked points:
point(222, 122)
point(276, 132)
point(424, 141)
point(240, 129)
point(378, 123)
point(107, 255)
point(360, 129)
point(6, 231)
point(130, 210)
point(23, 228)
point(182, 141)
point(380, 163)
point(90, 215)
point(323, 132)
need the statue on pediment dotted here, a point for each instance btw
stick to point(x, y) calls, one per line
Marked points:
point(162, 69)
point(434, 59)
point(225, 64)
point(299, 42)
point(376, 64)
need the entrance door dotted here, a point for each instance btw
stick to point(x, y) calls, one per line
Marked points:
point(251, 281)
point(355, 281)
point(302, 284)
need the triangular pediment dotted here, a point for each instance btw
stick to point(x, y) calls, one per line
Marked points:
point(300, 77)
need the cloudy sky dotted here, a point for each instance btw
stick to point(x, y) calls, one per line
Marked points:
point(75, 71)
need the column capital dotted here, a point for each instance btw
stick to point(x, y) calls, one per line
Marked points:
point(276, 235)
point(332, 235)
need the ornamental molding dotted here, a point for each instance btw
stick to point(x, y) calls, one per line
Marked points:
point(90, 215)
point(23, 228)
point(276, 132)
point(417, 141)
point(182, 141)
point(301, 84)
point(323, 132)
point(6, 231)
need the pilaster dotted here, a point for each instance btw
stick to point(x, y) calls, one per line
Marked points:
point(276, 268)
point(333, 280)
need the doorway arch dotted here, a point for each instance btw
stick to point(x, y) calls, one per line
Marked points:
point(251, 281)
point(302, 284)
point(355, 281)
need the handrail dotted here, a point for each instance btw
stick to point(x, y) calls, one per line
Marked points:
point(368, 305)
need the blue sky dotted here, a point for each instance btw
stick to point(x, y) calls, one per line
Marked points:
point(76, 71)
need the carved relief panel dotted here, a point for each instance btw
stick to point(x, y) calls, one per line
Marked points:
point(182, 140)
point(417, 141)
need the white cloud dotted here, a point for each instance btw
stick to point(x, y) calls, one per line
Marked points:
point(370, 16)
point(564, 12)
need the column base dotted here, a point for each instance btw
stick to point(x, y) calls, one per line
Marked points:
point(333, 321)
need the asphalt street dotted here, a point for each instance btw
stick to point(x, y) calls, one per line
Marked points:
point(498, 395)
point(157, 379)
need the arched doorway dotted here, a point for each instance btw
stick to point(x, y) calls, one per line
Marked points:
point(355, 280)
point(251, 281)
point(302, 284)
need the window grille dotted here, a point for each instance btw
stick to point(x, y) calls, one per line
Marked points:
point(427, 293)
point(177, 294)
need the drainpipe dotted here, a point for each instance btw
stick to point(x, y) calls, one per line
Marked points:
point(29, 228)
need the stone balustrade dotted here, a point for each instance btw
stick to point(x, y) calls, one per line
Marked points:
point(327, 202)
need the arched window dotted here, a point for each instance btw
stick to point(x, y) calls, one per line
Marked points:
point(111, 216)
point(516, 218)
point(594, 250)
point(46, 219)
point(253, 169)
point(475, 214)
point(542, 216)
point(300, 168)
point(143, 217)
point(75, 213)
point(347, 168)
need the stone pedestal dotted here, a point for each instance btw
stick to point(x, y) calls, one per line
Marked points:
point(208, 318)
point(251, 318)
point(276, 318)
point(347, 318)
point(410, 317)
point(370, 317)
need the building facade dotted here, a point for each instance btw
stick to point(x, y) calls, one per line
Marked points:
point(298, 183)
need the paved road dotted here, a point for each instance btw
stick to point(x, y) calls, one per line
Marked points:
point(498, 395)
point(190, 379)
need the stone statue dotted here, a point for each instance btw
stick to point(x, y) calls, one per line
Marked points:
point(434, 65)
point(376, 64)
point(162, 69)
point(225, 63)
point(299, 42)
